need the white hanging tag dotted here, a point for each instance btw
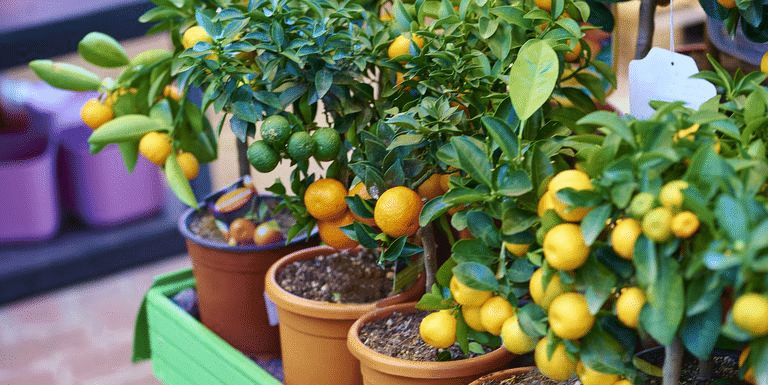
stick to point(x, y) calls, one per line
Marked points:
point(665, 75)
point(271, 310)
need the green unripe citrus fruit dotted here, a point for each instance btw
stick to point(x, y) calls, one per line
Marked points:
point(262, 157)
point(275, 130)
point(328, 144)
point(301, 146)
point(641, 204)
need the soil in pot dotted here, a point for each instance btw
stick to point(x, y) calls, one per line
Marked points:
point(397, 335)
point(725, 368)
point(346, 276)
point(528, 377)
point(204, 225)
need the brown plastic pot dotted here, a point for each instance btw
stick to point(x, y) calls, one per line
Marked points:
point(230, 287)
point(380, 369)
point(502, 375)
point(313, 334)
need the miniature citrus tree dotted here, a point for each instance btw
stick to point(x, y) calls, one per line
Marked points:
point(646, 228)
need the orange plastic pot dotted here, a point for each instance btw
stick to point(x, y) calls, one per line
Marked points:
point(502, 375)
point(380, 369)
point(230, 288)
point(313, 334)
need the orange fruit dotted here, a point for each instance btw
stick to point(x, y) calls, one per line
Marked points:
point(241, 232)
point(155, 146)
point(397, 211)
point(517, 249)
point(575, 179)
point(544, 4)
point(728, 4)
point(574, 54)
point(430, 188)
point(331, 234)
point(171, 91)
point(194, 35)
point(685, 224)
point(94, 113)
point(564, 247)
point(362, 191)
point(402, 46)
point(189, 165)
point(324, 199)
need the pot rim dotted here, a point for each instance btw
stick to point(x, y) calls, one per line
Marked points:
point(502, 374)
point(396, 366)
point(186, 218)
point(320, 309)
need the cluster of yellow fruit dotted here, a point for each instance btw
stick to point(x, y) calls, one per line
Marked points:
point(568, 313)
point(156, 147)
point(396, 211)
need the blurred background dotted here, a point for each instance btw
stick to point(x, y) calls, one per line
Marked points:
point(80, 238)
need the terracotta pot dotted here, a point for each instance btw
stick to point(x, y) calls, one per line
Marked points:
point(313, 334)
point(380, 369)
point(230, 287)
point(502, 375)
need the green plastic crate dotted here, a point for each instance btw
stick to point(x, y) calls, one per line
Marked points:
point(182, 350)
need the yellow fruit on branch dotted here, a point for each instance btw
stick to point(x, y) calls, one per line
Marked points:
point(546, 202)
point(189, 165)
point(193, 35)
point(517, 249)
point(589, 376)
point(685, 224)
point(628, 306)
point(569, 316)
point(574, 54)
point(467, 296)
point(362, 191)
point(657, 224)
point(155, 146)
point(397, 211)
point(624, 236)
point(749, 374)
point(332, 235)
point(472, 317)
point(438, 329)
point(324, 199)
point(750, 313)
point(564, 247)
point(541, 296)
point(514, 338)
point(430, 188)
point(576, 180)
point(94, 113)
point(671, 194)
point(494, 312)
point(402, 46)
point(559, 366)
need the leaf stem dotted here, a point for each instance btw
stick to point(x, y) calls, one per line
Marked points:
point(520, 140)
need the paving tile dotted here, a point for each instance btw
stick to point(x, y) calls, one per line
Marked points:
point(30, 378)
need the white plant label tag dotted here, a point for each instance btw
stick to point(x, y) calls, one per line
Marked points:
point(271, 310)
point(665, 75)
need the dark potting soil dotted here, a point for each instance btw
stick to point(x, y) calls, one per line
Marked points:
point(397, 335)
point(725, 369)
point(204, 224)
point(532, 377)
point(347, 276)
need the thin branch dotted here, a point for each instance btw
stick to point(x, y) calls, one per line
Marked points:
point(645, 28)
point(242, 158)
point(673, 362)
point(427, 236)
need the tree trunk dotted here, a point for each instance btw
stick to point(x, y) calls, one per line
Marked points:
point(704, 372)
point(242, 158)
point(673, 362)
point(427, 237)
point(645, 28)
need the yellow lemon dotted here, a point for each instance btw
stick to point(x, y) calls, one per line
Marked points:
point(671, 194)
point(657, 224)
point(629, 305)
point(564, 247)
point(575, 179)
point(685, 224)
point(624, 236)
point(472, 317)
point(494, 312)
point(559, 367)
point(589, 376)
point(466, 295)
point(569, 316)
point(514, 338)
point(541, 296)
point(438, 329)
point(750, 313)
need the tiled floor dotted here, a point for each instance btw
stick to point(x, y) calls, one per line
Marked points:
point(79, 335)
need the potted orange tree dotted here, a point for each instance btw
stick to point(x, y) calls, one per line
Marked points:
point(648, 228)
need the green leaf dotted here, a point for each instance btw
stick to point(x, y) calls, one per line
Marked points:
point(473, 250)
point(645, 261)
point(601, 352)
point(501, 134)
point(598, 281)
point(125, 128)
point(516, 220)
point(482, 227)
point(433, 209)
point(473, 156)
point(323, 82)
point(594, 223)
point(65, 76)
point(178, 182)
point(732, 217)
point(445, 272)
point(533, 77)
point(476, 276)
point(702, 293)
point(700, 332)
point(130, 153)
point(432, 301)
point(532, 320)
point(512, 183)
point(664, 312)
point(405, 140)
point(610, 123)
point(102, 50)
